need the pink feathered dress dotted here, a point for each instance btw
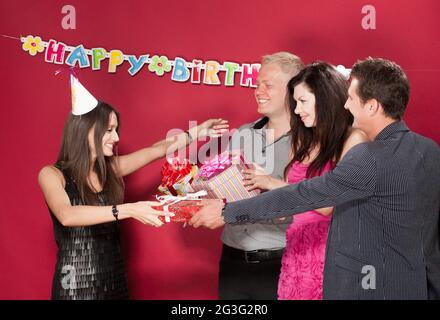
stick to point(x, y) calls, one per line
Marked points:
point(302, 264)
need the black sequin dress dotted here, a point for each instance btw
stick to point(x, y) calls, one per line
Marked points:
point(89, 263)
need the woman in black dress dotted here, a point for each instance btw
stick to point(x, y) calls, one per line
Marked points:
point(84, 191)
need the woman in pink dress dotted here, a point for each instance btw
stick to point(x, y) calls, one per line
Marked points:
point(321, 135)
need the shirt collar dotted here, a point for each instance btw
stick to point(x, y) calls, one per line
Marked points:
point(260, 127)
point(390, 129)
point(259, 124)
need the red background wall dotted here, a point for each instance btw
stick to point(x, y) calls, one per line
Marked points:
point(172, 262)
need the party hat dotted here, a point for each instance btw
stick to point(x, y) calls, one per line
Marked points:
point(82, 99)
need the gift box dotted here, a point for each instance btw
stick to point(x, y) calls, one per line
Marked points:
point(183, 210)
point(183, 207)
point(176, 176)
point(221, 178)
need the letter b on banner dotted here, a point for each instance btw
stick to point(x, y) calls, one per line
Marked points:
point(180, 71)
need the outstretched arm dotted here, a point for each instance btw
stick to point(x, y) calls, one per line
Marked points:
point(51, 182)
point(138, 159)
point(353, 178)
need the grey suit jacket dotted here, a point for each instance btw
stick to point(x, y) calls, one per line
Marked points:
point(383, 240)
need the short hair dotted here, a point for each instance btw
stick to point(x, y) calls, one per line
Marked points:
point(288, 62)
point(384, 81)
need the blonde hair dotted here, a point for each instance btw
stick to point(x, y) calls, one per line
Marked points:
point(288, 62)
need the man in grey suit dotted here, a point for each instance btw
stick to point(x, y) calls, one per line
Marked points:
point(383, 241)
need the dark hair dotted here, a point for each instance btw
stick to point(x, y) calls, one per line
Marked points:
point(74, 155)
point(332, 120)
point(384, 81)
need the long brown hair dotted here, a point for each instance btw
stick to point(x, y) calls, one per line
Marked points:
point(332, 120)
point(75, 153)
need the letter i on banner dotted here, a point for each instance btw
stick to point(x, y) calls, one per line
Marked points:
point(249, 75)
point(55, 52)
point(211, 70)
point(196, 70)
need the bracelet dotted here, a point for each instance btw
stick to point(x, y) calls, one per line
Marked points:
point(115, 212)
point(190, 138)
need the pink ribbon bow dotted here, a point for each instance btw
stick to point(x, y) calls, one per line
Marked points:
point(215, 165)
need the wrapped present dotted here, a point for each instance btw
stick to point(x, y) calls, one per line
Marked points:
point(176, 176)
point(183, 210)
point(182, 207)
point(221, 178)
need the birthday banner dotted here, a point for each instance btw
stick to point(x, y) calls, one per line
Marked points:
point(181, 70)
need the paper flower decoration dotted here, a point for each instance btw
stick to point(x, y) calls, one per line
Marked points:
point(159, 65)
point(33, 45)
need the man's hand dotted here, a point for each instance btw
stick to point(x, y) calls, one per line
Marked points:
point(257, 178)
point(210, 216)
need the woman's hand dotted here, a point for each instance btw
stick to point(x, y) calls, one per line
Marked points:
point(143, 212)
point(257, 178)
point(212, 127)
point(131, 162)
